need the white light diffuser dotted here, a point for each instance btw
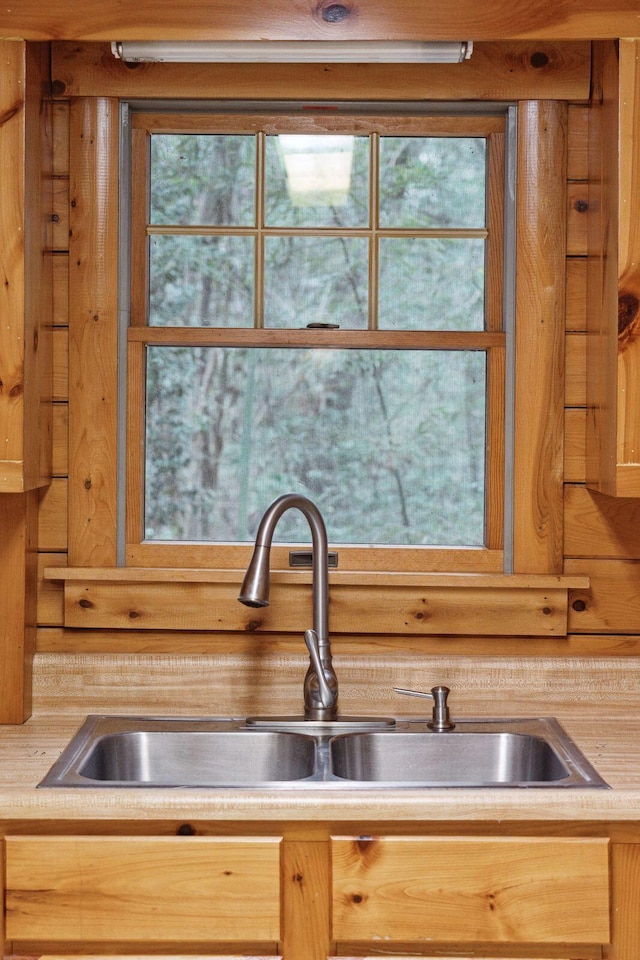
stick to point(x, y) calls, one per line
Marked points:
point(293, 51)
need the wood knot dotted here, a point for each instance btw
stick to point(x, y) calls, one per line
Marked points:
point(628, 319)
point(334, 12)
point(539, 59)
point(85, 604)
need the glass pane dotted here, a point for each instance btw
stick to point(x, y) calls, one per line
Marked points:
point(431, 284)
point(203, 179)
point(432, 182)
point(201, 281)
point(316, 180)
point(316, 280)
point(389, 444)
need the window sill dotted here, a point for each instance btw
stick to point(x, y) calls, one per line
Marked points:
point(361, 602)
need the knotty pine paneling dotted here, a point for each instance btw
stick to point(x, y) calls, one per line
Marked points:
point(60, 264)
point(575, 387)
point(52, 517)
point(50, 592)
point(576, 295)
point(60, 364)
point(574, 445)
point(593, 528)
point(60, 463)
point(598, 526)
point(577, 161)
point(577, 208)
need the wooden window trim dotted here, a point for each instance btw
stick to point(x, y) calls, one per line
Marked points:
point(492, 341)
point(539, 343)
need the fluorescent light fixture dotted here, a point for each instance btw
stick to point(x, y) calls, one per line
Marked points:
point(293, 51)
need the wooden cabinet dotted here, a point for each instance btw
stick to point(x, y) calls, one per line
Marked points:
point(313, 895)
point(142, 889)
point(497, 889)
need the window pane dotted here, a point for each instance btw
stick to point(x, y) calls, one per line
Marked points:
point(432, 182)
point(316, 181)
point(431, 284)
point(201, 281)
point(203, 179)
point(316, 280)
point(389, 444)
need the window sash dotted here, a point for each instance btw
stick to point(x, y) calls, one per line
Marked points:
point(492, 340)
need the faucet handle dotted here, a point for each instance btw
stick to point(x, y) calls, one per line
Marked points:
point(327, 695)
point(441, 721)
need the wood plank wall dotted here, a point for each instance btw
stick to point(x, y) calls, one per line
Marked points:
point(602, 535)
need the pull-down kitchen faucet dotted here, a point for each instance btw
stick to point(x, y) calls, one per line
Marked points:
point(320, 682)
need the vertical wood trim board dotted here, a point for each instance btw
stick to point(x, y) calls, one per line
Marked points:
point(540, 294)
point(93, 314)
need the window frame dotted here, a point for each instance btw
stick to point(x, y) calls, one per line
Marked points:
point(488, 124)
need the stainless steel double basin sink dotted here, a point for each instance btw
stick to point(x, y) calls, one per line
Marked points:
point(236, 753)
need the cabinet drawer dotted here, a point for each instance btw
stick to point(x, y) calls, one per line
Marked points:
point(522, 890)
point(142, 888)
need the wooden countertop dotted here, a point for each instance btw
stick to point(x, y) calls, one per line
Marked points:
point(611, 744)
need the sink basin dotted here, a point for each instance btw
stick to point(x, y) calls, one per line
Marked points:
point(466, 759)
point(171, 753)
point(148, 752)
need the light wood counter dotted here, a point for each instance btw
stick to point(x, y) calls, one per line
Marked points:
point(612, 745)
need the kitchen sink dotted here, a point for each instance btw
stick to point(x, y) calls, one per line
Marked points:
point(465, 759)
point(228, 752)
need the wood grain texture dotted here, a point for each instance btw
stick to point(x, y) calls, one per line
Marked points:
point(93, 331)
point(613, 361)
point(26, 290)
point(370, 609)
point(597, 525)
point(612, 602)
point(404, 888)
point(142, 889)
point(539, 374)
point(575, 424)
point(52, 517)
point(576, 297)
point(575, 370)
point(440, 20)
point(494, 72)
point(18, 544)
point(306, 873)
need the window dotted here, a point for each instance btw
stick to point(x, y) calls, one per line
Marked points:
point(316, 305)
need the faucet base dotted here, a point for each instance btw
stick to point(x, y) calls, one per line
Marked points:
point(331, 726)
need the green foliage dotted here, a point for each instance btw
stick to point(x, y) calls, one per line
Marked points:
point(389, 444)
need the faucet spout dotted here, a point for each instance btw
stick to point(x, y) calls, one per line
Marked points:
point(321, 684)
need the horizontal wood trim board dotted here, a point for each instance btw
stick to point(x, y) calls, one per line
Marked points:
point(349, 339)
point(55, 639)
point(513, 581)
point(142, 888)
point(496, 71)
point(612, 603)
point(596, 525)
point(370, 609)
point(453, 889)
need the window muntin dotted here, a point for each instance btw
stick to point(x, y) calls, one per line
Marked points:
point(378, 292)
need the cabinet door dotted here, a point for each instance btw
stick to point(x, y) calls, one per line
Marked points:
point(142, 889)
point(450, 889)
